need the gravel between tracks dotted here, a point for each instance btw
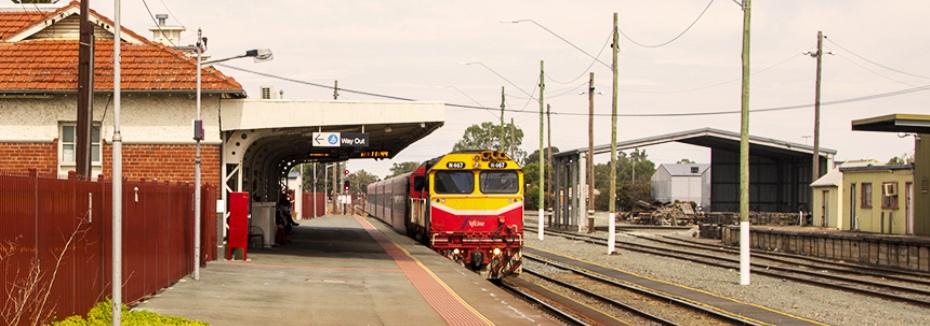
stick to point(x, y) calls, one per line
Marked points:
point(815, 303)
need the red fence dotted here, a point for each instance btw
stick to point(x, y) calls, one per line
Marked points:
point(62, 229)
point(308, 204)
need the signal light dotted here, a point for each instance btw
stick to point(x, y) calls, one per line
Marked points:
point(346, 172)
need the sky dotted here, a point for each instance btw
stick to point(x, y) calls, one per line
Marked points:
point(675, 58)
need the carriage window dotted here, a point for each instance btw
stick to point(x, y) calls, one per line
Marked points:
point(418, 183)
point(454, 182)
point(499, 182)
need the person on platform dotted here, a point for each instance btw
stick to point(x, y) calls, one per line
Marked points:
point(285, 202)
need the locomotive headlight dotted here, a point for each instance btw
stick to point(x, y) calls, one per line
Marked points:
point(455, 251)
point(496, 252)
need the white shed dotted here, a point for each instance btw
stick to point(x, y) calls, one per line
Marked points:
point(682, 182)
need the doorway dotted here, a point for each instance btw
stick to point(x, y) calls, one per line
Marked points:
point(853, 219)
point(908, 207)
point(826, 209)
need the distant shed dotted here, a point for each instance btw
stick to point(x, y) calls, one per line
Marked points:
point(682, 182)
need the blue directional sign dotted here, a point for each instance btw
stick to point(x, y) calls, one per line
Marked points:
point(326, 139)
point(335, 139)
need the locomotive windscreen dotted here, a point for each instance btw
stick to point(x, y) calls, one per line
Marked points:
point(499, 182)
point(454, 182)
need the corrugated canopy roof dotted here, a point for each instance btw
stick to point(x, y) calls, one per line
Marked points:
point(916, 123)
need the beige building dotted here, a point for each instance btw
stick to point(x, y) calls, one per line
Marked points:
point(828, 209)
point(878, 199)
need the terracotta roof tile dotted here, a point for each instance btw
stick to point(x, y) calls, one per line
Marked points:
point(11, 22)
point(52, 64)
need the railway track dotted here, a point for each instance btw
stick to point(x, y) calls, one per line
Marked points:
point(813, 263)
point(910, 290)
point(545, 299)
point(638, 296)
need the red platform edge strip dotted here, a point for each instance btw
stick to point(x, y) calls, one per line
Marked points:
point(447, 304)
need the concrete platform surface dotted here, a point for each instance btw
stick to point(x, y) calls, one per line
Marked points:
point(343, 270)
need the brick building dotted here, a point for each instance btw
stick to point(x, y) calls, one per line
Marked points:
point(38, 99)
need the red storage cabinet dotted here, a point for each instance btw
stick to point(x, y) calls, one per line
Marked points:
point(238, 235)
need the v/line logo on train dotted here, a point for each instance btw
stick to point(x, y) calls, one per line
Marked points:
point(467, 206)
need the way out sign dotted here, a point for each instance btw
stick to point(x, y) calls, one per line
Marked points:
point(354, 139)
point(336, 139)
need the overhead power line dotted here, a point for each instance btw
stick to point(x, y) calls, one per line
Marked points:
point(674, 38)
point(873, 62)
point(633, 115)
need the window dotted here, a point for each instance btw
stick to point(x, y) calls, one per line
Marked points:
point(499, 182)
point(890, 195)
point(866, 195)
point(454, 182)
point(69, 145)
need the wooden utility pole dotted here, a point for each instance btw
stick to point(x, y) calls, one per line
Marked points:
point(500, 146)
point(816, 166)
point(336, 90)
point(542, 166)
point(336, 189)
point(744, 152)
point(591, 142)
point(612, 207)
point(549, 148)
point(513, 139)
point(85, 114)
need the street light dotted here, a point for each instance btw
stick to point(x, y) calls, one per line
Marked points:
point(259, 55)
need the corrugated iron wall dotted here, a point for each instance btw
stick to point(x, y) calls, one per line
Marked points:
point(62, 229)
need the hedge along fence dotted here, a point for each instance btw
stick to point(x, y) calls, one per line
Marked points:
point(56, 242)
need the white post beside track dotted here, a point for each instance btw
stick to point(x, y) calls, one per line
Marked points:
point(612, 232)
point(542, 225)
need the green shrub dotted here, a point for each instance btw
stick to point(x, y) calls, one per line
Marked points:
point(102, 315)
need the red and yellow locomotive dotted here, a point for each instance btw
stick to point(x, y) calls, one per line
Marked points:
point(468, 206)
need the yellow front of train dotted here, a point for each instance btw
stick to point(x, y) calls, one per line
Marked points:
point(476, 211)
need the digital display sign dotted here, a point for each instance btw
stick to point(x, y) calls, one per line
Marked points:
point(342, 154)
point(374, 154)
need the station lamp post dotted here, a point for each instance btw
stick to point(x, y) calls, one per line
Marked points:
point(259, 55)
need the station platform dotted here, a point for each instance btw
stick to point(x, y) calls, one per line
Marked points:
point(343, 270)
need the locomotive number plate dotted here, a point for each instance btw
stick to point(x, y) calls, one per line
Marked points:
point(497, 165)
point(455, 165)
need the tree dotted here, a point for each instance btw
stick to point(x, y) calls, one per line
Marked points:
point(359, 181)
point(487, 136)
point(534, 157)
point(685, 161)
point(628, 191)
point(401, 168)
point(904, 159)
point(308, 179)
